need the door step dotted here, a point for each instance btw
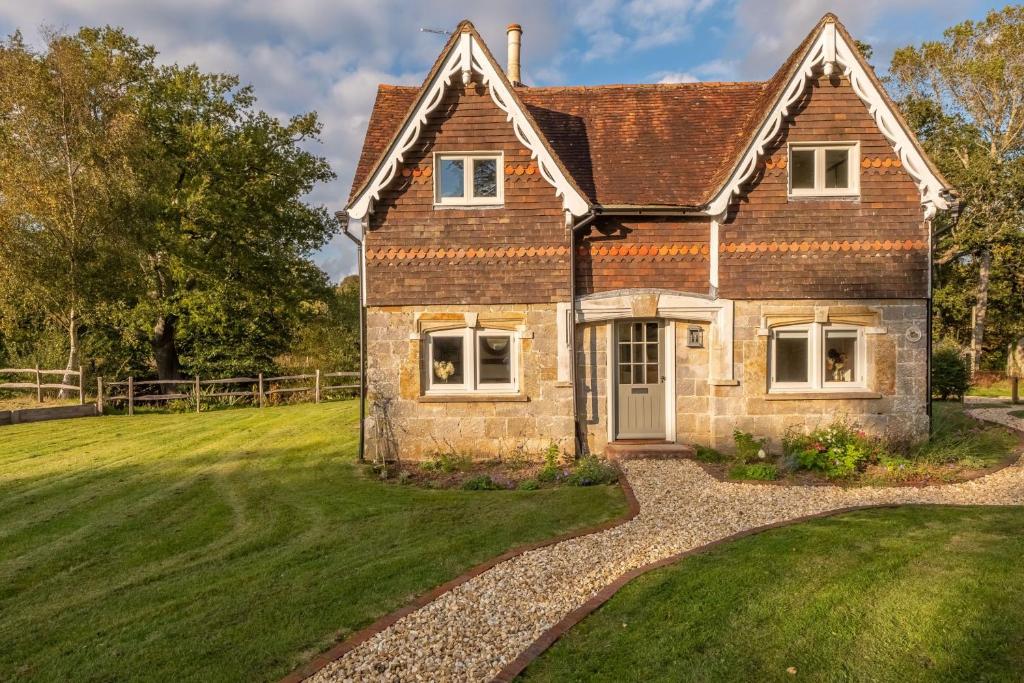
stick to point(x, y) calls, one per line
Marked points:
point(654, 451)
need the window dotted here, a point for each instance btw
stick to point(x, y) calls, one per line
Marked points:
point(469, 360)
point(463, 179)
point(823, 170)
point(817, 357)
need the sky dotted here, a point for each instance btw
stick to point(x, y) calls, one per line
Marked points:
point(329, 56)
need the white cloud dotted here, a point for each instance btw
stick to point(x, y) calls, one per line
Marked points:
point(609, 27)
point(673, 77)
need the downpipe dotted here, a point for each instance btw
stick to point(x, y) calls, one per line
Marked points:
point(342, 217)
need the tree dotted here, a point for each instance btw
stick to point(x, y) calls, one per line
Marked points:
point(965, 97)
point(155, 201)
point(224, 232)
point(69, 133)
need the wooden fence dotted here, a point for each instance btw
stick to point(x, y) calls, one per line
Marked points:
point(39, 386)
point(258, 388)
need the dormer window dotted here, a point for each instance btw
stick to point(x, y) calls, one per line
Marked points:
point(468, 179)
point(824, 170)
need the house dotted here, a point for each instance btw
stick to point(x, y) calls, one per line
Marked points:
point(622, 263)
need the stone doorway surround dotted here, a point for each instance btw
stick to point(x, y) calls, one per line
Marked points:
point(668, 305)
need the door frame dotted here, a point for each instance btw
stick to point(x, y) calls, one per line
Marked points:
point(668, 330)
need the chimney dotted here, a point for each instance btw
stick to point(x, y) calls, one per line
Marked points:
point(515, 38)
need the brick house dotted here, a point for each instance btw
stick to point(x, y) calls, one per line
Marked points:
point(589, 265)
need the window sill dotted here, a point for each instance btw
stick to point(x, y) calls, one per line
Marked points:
point(822, 395)
point(827, 197)
point(468, 207)
point(472, 398)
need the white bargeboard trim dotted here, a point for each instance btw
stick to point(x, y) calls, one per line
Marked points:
point(828, 51)
point(466, 56)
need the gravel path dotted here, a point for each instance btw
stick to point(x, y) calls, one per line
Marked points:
point(471, 632)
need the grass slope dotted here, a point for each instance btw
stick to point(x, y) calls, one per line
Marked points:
point(228, 546)
point(911, 594)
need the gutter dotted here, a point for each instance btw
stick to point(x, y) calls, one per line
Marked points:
point(585, 220)
point(342, 217)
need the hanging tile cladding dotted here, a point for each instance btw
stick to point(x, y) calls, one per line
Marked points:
point(655, 252)
point(888, 209)
point(517, 253)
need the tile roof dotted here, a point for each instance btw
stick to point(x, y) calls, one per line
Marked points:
point(629, 145)
point(622, 144)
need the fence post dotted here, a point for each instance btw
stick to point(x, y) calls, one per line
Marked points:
point(316, 392)
point(261, 390)
point(81, 386)
point(131, 395)
point(99, 395)
point(39, 385)
point(197, 393)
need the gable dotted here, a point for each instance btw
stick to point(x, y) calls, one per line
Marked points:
point(829, 50)
point(465, 55)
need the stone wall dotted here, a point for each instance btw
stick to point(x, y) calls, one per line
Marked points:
point(707, 414)
point(539, 415)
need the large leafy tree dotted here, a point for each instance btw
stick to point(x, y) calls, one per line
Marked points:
point(224, 235)
point(965, 96)
point(69, 136)
point(158, 203)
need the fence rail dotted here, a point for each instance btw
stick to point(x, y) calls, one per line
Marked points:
point(39, 385)
point(261, 389)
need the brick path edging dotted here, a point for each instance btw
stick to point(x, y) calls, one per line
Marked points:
point(361, 636)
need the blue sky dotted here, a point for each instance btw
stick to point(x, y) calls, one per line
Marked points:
point(329, 55)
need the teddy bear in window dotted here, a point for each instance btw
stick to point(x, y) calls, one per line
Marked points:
point(837, 366)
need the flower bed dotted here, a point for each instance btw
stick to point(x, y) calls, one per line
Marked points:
point(522, 471)
point(960, 448)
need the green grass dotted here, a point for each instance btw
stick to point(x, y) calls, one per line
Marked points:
point(998, 388)
point(228, 546)
point(958, 438)
point(911, 594)
point(1019, 414)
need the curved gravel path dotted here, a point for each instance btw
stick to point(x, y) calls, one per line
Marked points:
point(471, 632)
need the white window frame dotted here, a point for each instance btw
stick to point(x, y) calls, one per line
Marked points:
point(468, 199)
point(816, 353)
point(471, 362)
point(819, 189)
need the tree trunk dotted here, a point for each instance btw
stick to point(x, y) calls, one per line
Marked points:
point(72, 351)
point(980, 312)
point(165, 353)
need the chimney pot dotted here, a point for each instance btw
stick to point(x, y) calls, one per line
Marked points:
point(515, 38)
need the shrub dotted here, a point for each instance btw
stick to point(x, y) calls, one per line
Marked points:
point(761, 471)
point(481, 483)
point(590, 471)
point(529, 485)
point(839, 450)
point(705, 454)
point(549, 472)
point(447, 462)
point(748, 448)
point(951, 376)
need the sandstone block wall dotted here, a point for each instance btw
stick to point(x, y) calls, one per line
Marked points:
point(707, 414)
point(481, 429)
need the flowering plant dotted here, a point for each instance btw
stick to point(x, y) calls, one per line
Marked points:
point(443, 369)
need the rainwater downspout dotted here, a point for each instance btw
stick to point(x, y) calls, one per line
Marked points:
point(342, 217)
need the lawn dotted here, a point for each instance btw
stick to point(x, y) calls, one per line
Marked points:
point(908, 594)
point(227, 546)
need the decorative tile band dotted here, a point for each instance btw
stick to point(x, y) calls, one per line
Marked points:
point(522, 172)
point(599, 250)
point(392, 254)
point(648, 251)
point(866, 162)
point(834, 245)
